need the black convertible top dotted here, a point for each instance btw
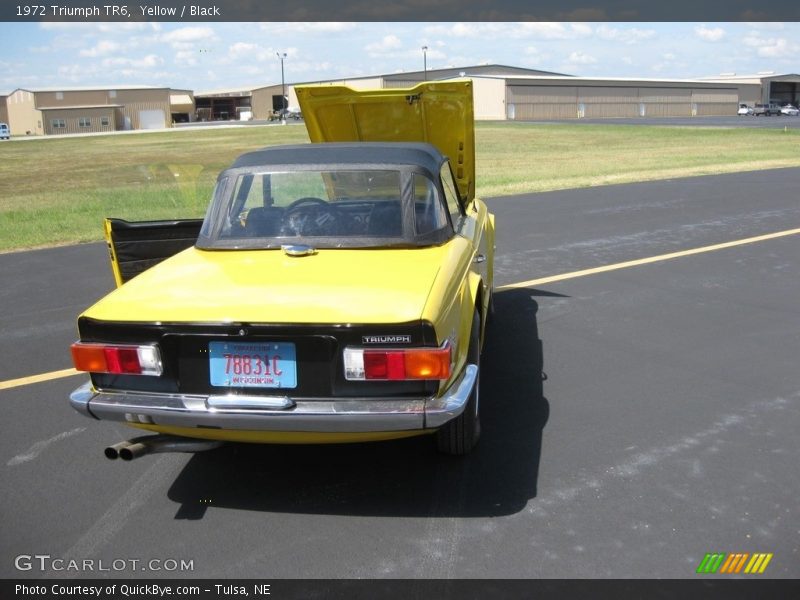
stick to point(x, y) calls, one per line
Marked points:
point(346, 153)
point(393, 218)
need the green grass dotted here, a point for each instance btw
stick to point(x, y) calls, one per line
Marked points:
point(524, 157)
point(57, 191)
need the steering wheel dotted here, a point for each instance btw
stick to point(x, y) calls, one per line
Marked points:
point(310, 216)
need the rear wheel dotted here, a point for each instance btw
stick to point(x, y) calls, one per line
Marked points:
point(459, 436)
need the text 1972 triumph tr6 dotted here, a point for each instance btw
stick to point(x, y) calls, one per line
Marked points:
point(334, 292)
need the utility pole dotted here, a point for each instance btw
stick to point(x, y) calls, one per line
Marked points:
point(281, 57)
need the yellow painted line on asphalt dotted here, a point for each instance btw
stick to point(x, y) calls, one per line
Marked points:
point(5, 385)
point(12, 383)
point(646, 261)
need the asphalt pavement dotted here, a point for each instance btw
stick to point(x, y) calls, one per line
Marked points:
point(633, 420)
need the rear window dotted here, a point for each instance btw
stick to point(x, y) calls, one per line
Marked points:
point(323, 208)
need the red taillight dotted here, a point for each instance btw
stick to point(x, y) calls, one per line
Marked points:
point(122, 360)
point(116, 359)
point(397, 364)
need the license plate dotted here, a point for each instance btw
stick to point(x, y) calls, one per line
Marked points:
point(254, 365)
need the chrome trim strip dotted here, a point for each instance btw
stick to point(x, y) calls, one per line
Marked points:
point(350, 415)
point(249, 402)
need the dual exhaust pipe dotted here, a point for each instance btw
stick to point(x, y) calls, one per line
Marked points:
point(153, 444)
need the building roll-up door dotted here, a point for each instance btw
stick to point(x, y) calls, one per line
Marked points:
point(152, 119)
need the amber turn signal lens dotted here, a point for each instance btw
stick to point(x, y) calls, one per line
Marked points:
point(397, 364)
point(428, 364)
point(89, 357)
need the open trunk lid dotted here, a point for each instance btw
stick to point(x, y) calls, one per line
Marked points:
point(437, 112)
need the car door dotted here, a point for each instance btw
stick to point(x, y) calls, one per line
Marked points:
point(136, 246)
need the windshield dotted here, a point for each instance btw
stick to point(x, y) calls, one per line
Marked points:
point(322, 208)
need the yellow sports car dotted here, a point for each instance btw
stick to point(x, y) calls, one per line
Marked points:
point(335, 291)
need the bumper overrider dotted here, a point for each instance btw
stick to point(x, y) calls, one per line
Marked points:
point(260, 413)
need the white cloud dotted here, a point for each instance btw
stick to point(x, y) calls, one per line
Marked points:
point(580, 58)
point(187, 58)
point(624, 36)
point(146, 62)
point(772, 47)
point(389, 43)
point(708, 34)
point(780, 48)
point(77, 72)
point(551, 31)
point(459, 30)
point(102, 48)
point(315, 67)
point(189, 35)
point(243, 51)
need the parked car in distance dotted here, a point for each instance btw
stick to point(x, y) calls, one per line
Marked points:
point(790, 110)
point(293, 112)
point(766, 110)
point(336, 291)
point(5, 132)
point(744, 110)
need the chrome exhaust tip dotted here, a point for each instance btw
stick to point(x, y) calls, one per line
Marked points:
point(152, 444)
point(136, 450)
point(112, 452)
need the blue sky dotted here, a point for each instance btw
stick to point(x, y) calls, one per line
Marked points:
point(204, 56)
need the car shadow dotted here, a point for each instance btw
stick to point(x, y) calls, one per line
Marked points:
point(404, 477)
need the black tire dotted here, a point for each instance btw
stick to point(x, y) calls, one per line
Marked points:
point(459, 436)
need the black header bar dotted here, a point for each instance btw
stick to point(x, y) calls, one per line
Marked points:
point(705, 587)
point(396, 10)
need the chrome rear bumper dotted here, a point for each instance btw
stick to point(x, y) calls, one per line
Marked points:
point(258, 413)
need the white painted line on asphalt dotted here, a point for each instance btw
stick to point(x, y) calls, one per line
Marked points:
point(646, 261)
point(4, 385)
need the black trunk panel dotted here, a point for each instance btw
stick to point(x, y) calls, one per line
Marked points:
point(320, 370)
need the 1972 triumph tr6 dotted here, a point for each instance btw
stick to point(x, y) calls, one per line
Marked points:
point(335, 291)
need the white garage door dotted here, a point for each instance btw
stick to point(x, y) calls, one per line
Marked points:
point(152, 119)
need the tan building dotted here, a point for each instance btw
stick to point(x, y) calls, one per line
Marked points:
point(262, 102)
point(501, 92)
point(91, 110)
point(535, 98)
point(763, 87)
point(512, 93)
